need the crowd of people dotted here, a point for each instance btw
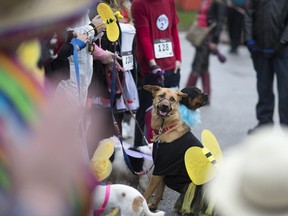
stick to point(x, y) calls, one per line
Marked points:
point(85, 96)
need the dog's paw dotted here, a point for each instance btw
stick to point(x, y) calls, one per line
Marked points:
point(152, 207)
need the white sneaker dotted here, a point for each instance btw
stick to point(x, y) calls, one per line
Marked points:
point(126, 130)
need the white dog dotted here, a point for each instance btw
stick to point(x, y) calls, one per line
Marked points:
point(127, 199)
point(141, 160)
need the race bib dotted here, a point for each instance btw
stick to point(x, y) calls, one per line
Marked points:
point(163, 48)
point(127, 60)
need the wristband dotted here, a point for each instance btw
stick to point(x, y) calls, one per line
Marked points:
point(250, 42)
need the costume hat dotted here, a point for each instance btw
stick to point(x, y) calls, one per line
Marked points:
point(22, 19)
point(253, 181)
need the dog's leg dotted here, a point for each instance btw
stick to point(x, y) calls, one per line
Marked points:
point(158, 195)
point(153, 183)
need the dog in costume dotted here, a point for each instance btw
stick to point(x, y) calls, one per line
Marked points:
point(172, 140)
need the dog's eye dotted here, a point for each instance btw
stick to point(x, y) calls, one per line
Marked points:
point(172, 99)
point(161, 96)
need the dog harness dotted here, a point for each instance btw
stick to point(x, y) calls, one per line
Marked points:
point(98, 212)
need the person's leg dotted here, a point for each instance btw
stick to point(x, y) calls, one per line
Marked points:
point(126, 128)
point(192, 80)
point(145, 101)
point(206, 82)
point(266, 99)
point(230, 25)
point(149, 130)
point(281, 65)
point(235, 25)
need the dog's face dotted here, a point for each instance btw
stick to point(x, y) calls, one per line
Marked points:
point(196, 98)
point(165, 100)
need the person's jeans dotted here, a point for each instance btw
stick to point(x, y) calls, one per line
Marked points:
point(265, 69)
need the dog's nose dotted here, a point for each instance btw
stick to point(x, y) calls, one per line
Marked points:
point(205, 95)
point(165, 107)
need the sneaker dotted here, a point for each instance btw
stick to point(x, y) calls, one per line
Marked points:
point(233, 51)
point(256, 128)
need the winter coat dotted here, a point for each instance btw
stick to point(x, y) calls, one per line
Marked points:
point(266, 22)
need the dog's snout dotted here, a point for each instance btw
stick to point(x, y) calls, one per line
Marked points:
point(165, 105)
point(205, 95)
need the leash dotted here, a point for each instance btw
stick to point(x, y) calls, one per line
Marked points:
point(76, 42)
point(115, 78)
point(98, 212)
point(130, 111)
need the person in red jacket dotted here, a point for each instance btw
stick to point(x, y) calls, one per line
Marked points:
point(157, 51)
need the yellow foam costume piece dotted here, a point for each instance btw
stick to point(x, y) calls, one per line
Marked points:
point(28, 54)
point(100, 163)
point(110, 20)
point(114, 212)
point(189, 195)
point(202, 164)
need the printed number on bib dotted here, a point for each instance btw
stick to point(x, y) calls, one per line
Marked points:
point(163, 48)
point(127, 59)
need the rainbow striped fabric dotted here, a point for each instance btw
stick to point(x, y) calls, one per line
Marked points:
point(20, 95)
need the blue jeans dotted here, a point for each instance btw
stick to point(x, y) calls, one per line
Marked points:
point(265, 69)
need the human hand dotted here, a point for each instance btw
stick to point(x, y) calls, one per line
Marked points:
point(108, 57)
point(177, 66)
point(279, 48)
point(105, 56)
point(109, 67)
point(157, 74)
point(212, 46)
point(251, 45)
point(82, 37)
point(81, 40)
point(99, 24)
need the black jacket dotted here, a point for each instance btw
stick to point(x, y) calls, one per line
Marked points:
point(266, 22)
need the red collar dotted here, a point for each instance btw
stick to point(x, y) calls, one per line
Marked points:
point(162, 130)
point(98, 212)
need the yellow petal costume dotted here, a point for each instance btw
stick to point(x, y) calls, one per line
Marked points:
point(202, 163)
point(110, 21)
point(100, 163)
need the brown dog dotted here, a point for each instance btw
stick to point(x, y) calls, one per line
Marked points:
point(172, 137)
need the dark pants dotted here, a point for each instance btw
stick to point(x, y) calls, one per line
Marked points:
point(235, 22)
point(145, 100)
point(265, 69)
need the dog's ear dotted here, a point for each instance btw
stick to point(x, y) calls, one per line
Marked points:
point(181, 95)
point(152, 88)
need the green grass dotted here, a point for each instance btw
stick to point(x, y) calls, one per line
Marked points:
point(186, 18)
